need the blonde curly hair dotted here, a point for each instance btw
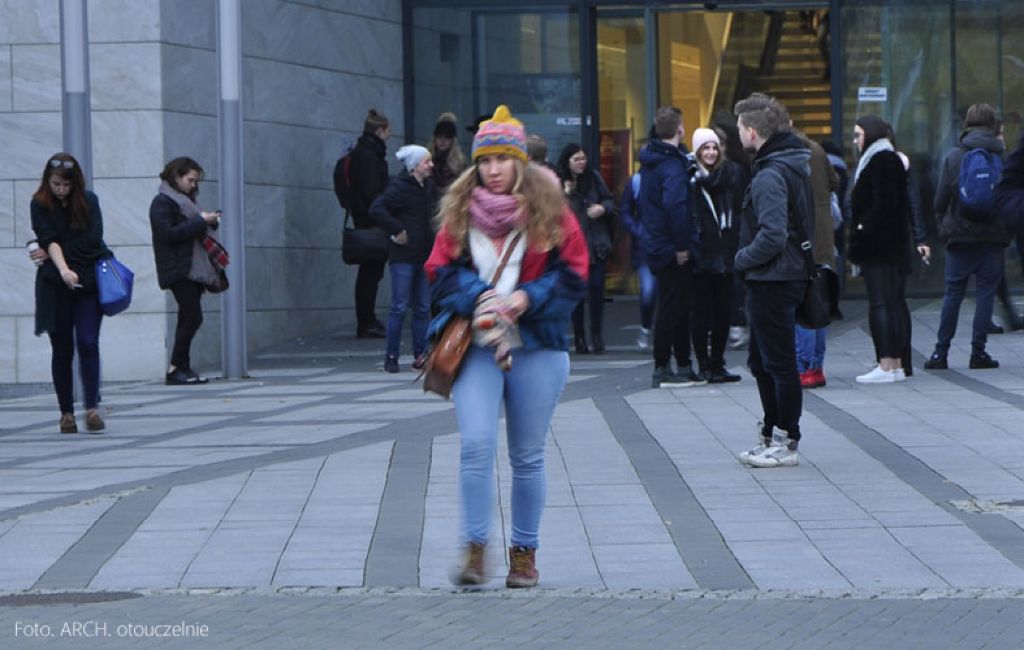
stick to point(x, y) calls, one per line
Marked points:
point(534, 187)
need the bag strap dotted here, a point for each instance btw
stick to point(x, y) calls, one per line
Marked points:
point(801, 232)
point(505, 258)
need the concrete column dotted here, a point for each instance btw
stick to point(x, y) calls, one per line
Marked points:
point(74, 65)
point(231, 181)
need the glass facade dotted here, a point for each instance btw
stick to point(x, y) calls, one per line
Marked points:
point(593, 72)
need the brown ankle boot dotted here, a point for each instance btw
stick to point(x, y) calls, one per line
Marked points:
point(93, 422)
point(67, 423)
point(522, 567)
point(471, 570)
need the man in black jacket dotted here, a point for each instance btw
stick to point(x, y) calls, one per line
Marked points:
point(974, 245)
point(369, 176)
point(772, 263)
point(1009, 193)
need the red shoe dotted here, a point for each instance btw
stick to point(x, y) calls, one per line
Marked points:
point(808, 379)
point(819, 376)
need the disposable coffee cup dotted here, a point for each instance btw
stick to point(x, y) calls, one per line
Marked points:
point(32, 247)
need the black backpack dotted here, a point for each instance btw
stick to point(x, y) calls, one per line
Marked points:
point(343, 180)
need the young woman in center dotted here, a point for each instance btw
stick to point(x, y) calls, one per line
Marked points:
point(502, 202)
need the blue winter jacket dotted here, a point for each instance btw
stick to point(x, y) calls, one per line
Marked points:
point(665, 205)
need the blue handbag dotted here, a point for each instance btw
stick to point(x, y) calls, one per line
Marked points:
point(114, 281)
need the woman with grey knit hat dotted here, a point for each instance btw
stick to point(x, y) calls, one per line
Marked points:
point(405, 211)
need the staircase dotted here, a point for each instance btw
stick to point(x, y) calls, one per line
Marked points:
point(797, 78)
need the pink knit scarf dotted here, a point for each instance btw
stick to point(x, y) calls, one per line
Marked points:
point(494, 214)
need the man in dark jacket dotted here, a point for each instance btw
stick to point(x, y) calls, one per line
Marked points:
point(974, 245)
point(369, 176)
point(1009, 193)
point(671, 242)
point(772, 263)
point(405, 211)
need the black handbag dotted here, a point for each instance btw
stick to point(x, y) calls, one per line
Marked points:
point(814, 310)
point(363, 245)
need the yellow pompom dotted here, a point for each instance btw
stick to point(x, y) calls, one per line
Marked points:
point(502, 114)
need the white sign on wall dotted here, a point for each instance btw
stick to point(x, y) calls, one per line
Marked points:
point(872, 94)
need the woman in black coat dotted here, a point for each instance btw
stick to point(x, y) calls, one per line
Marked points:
point(68, 225)
point(177, 223)
point(880, 243)
point(594, 207)
point(405, 210)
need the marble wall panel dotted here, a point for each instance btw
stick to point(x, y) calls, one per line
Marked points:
point(192, 23)
point(189, 79)
point(292, 217)
point(125, 204)
point(7, 228)
point(296, 280)
point(30, 21)
point(32, 354)
point(293, 94)
point(35, 137)
point(6, 81)
point(36, 77)
point(132, 346)
point(124, 21)
point(382, 9)
point(264, 215)
point(322, 39)
point(18, 296)
point(127, 144)
point(194, 136)
point(8, 349)
point(278, 326)
point(125, 76)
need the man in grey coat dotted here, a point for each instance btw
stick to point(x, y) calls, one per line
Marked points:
point(773, 266)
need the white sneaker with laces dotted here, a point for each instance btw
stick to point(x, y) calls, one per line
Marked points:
point(900, 375)
point(777, 440)
point(781, 456)
point(877, 376)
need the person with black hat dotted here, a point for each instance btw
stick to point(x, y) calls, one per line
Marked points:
point(449, 161)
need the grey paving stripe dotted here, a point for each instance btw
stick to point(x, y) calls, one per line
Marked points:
point(697, 540)
point(80, 564)
point(999, 532)
point(393, 558)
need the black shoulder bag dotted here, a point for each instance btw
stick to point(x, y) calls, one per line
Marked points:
point(813, 312)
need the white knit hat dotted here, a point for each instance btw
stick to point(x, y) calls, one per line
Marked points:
point(412, 155)
point(703, 136)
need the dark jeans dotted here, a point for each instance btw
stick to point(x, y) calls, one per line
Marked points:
point(672, 321)
point(712, 304)
point(985, 262)
point(887, 308)
point(77, 321)
point(367, 280)
point(408, 289)
point(648, 295)
point(190, 316)
point(595, 298)
point(771, 355)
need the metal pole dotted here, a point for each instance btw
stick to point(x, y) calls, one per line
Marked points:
point(74, 65)
point(232, 179)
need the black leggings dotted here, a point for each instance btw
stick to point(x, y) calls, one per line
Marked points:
point(190, 317)
point(712, 304)
point(888, 311)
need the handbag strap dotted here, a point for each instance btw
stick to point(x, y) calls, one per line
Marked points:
point(801, 232)
point(504, 258)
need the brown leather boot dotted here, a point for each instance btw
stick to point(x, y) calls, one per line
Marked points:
point(471, 570)
point(93, 422)
point(522, 567)
point(67, 423)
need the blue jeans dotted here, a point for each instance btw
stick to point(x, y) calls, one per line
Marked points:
point(810, 348)
point(985, 261)
point(77, 323)
point(408, 289)
point(648, 295)
point(771, 354)
point(530, 392)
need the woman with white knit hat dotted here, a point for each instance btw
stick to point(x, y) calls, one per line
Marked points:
point(716, 204)
point(405, 210)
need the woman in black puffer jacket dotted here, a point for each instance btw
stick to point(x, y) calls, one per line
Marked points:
point(177, 223)
point(594, 207)
point(880, 243)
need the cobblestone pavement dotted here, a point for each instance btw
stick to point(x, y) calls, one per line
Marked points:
point(314, 505)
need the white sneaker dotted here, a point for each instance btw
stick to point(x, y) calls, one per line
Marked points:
point(900, 375)
point(878, 376)
point(643, 340)
point(781, 456)
point(778, 438)
point(738, 337)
